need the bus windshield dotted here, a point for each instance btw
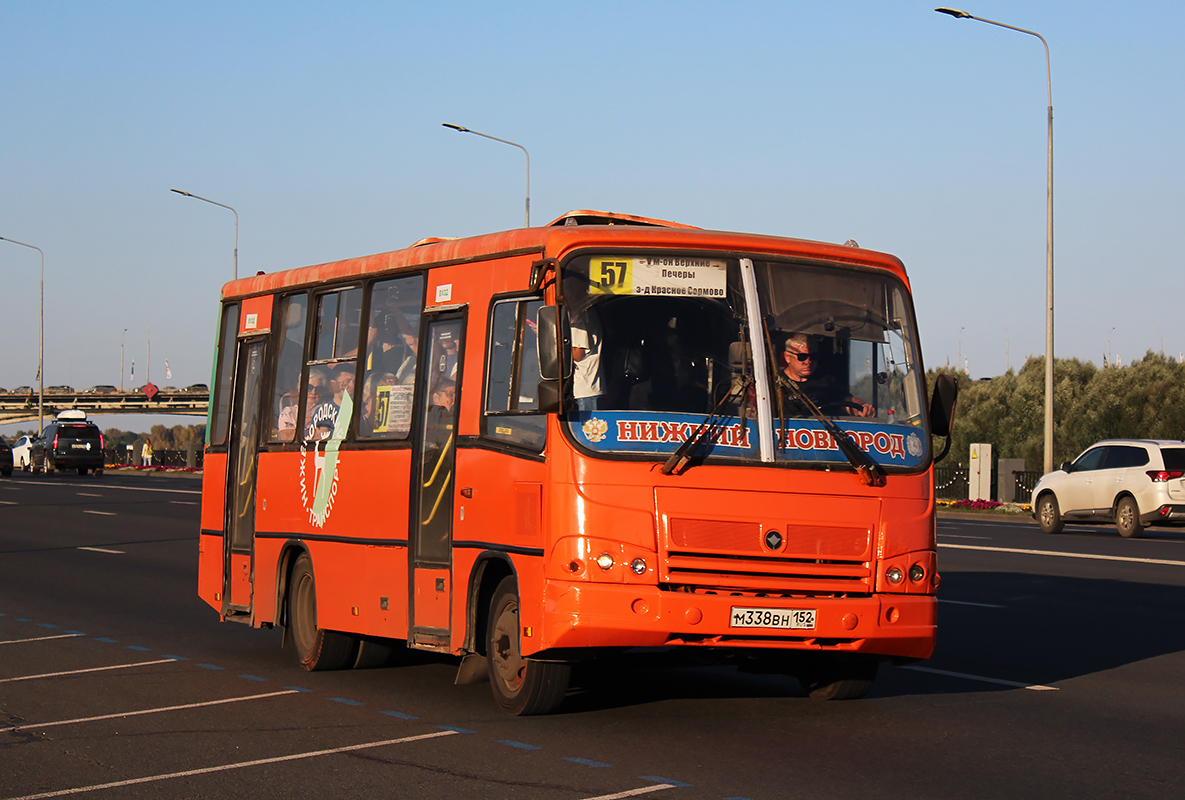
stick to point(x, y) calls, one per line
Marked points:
point(662, 342)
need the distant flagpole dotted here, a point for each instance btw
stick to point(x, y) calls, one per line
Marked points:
point(133, 372)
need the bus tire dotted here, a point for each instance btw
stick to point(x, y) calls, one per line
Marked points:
point(316, 648)
point(522, 686)
point(842, 678)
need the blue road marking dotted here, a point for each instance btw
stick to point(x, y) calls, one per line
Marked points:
point(345, 701)
point(588, 762)
point(519, 745)
point(253, 678)
point(398, 715)
point(210, 666)
point(659, 779)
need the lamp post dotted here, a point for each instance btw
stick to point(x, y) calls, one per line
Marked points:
point(954, 12)
point(220, 205)
point(121, 338)
point(40, 338)
point(512, 144)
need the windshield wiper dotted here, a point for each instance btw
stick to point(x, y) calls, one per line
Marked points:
point(870, 472)
point(706, 431)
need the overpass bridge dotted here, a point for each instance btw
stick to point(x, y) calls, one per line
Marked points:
point(23, 407)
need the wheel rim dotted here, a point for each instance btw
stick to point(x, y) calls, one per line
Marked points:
point(505, 654)
point(1126, 515)
point(1046, 512)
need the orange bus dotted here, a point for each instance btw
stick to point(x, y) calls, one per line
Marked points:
point(609, 432)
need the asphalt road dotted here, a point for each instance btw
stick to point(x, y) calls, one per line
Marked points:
point(1058, 674)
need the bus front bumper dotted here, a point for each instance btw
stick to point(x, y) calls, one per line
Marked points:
point(581, 615)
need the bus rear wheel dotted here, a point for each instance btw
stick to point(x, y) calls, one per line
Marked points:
point(522, 686)
point(316, 648)
point(839, 678)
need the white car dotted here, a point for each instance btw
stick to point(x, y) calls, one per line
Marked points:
point(1133, 483)
point(20, 452)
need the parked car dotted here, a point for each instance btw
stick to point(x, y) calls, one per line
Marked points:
point(5, 458)
point(21, 452)
point(1132, 483)
point(102, 388)
point(69, 442)
point(198, 387)
point(23, 390)
point(60, 389)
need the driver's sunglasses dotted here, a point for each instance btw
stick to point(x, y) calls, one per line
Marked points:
point(800, 356)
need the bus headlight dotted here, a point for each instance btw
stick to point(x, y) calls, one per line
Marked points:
point(917, 573)
point(605, 561)
point(638, 566)
point(894, 575)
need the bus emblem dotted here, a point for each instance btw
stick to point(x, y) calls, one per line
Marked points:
point(324, 468)
point(595, 429)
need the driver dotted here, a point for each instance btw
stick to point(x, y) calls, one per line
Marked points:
point(799, 356)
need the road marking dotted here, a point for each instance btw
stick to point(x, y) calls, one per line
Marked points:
point(8, 503)
point(1036, 687)
point(238, 765)
point(88, 494)
point(969, 603)
point(1090, 556)
point(183, 503)
point(91, 669)
point(102, 550)
point(42, 638)
point(630, 793)
point(123, 714)
point(115, 488)
point(963, 536)
point(101, 513)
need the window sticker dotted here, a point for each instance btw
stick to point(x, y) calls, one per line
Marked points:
point(674, 276)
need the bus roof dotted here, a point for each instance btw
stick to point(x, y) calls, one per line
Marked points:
point(583, 228)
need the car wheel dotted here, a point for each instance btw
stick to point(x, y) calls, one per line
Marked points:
point(1127, 518)
point(47, 465)
point(1049, 516)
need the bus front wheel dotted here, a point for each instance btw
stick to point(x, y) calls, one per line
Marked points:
point(522, 686)
point(316, 649)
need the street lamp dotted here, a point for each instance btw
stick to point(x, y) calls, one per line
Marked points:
point(221, 205)
point(40, 339)
point(956, 13)
point(121, 338)
point(512, 144)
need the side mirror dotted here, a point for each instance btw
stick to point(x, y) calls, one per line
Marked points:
point(942, 404)
point(1066, 467)
point(554, 342)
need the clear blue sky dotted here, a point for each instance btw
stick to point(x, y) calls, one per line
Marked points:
point(882, 121)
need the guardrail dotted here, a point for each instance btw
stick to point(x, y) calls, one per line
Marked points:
point(23, 407)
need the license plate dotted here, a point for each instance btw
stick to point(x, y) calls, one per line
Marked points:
point(791, 618)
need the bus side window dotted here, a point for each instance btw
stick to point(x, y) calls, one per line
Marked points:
point(224, 383)
point(286, 393)
point(389, 360)
point(513, 374)
point(333, 367)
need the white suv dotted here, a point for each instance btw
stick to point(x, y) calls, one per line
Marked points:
point(1131, 482)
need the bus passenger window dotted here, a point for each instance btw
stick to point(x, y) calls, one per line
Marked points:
point(226, 369)
point(286, 392)
point(513, 374)
point(392, 346)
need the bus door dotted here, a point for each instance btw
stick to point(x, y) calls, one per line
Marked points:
point(243, 460)
point(434, 483)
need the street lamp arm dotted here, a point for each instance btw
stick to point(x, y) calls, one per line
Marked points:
point(40, 335)
point(957, 14)
point(220, 205)
point(461, 129)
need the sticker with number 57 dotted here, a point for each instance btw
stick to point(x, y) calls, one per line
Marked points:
point(610, 276)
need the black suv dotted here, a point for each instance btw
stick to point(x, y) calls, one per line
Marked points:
point(69, 442)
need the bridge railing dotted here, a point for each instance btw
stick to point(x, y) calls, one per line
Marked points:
point(121, 456)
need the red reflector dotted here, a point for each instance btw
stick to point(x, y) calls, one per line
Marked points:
point(1162, 475)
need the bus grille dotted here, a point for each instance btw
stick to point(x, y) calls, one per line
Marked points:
point(729, 557)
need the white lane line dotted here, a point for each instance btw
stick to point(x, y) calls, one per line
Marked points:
point(102, 550)
point(183, 503)
point(88, 494)
point(1036, 687)
point(116, 488)
point(969, 603)
point(91, 669)
point(123, 714)
point(658, 787)
point(962, 536)
point(101, 513)
point(225, 767)
point(42, 638)
point(8, 503)
point(1090, 556)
